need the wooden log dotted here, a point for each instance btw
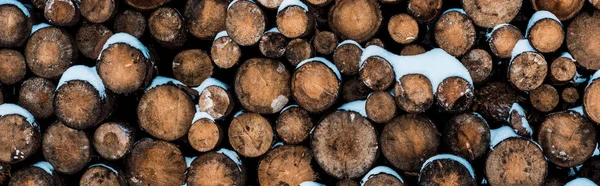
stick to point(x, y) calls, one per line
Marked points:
point(494, 101)
point(38, 4)
point(155, 162)
point(316, 85)
point(517, 120)
point(347, 182)
point(455, 94)
point(590, 98)
point(467, 135)
point(324, 42)
point(527, 70)
point(413, 93)
point(319, 3)
point(516, 161)
point(224, 52)
point(41, 173)
point(49, 52)
point(355, 89)
point(391, 1)
point(5, 171)
point(67, 149)
point(376, 42)
point(544, 98)
point(192, 66)
point(89, 36)
point(145, 5)
point(424, 10)
point(562, 70)
point(286, 165)
point(21, 134)
point(205, 134)
point(570, 95)
point(113, 140)
point(591, 169)
point(545, 33)
point(365, 23)
point(479, 63)
point(581, 36)
point(157, 107)
point(346, 57)
point(488, 14)
point(595, 3)
point(37, 96)
point(454, 32)
point(101, 174)
point(216, 99)
point(272, 44)
point(250, 134)
point(167, 26)
point(298, 50)
point(403, 28)
point(131, 22)
point(380, 107)
point(377, 73)
point(293, 125)
point(563, 9)
point(567, 138)
point(214, 168)
point(17, 22)
point(446, 169)
point(502, 40)
point(204, 19)
point(62, 12)
point(412, 50)
point(336, 151)
point(382, 175)
point(270, 4)
point(98, 11)
point(262, 85)
point(12, 64)
point(245, 22)
point(402, 135)
point(294, 20)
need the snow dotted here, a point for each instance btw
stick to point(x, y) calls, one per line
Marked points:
point(460, 160)
point(578, 109)
point(127, 39)
point(277, 145)
point(161, 80)
point(539, 15)
point(288, 107)
point(17, 4)
point(210, 82)
point(287, 3)
point(37, 27)
point(232, 155)
point(189, 160)
point(199, 115)
point(44, 165)
point(325, 62)
point(380, 170)
point(481, 117)
point(9, 108)
point(356, 106)
point(592, 78)
point(352, 42)
point(459, 10)
point(521, 46)
point(596, 151)
point(445, 65)
point(500, 134)
point(83, 73)
point(106, 166)
point(234, 1)
point(521, 112)
point(567, 55)
point(581, 182)
point(238, 113)
point(578, 78)
point(221, 34)
point(489, 34)
point(274, 29)
point(311, 183)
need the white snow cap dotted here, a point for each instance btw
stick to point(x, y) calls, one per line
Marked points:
point(189, 160)
point(325, 62)
point(352, 42)
point(460, 160)
point(380, 170)
point(105, 166)
point(567, 55)
point(356, 106)
point(127, 39)
point(444, 65)
point(521, 46)
point(238, 113)
point(539, 15)
point(37, 27)
point(221, 34)
point(595, 76)
point(311, 183)
point(581, 182)
point(521, 112)
point(274, 29)
point(500, 134)
point(199, 115)
point(9, 108)
point(232, 155)
point(288, 107)
point(17, 4)
point(210, 82)
point(161, 80)
point(579, 109)
point(459, 10)
point(287, 3)
point(489, 34)
point(235, 1)
point(83, 73)
point(44, 165)
point(277, 145)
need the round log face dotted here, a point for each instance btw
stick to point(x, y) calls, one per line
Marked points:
point(581, 37)
point(356, 20)
point(155, 162)
point(567, 138)
point(263, 85)
point(165, 112)
point(516, 161)
point(19, 138)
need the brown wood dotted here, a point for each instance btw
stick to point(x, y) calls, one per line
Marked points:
point(39, 4)
point(355, 89)
point(225, 53)
point(166, 112)
point(89, 36)
point(325, 42)
point(377, 73)
point(489, 13)
point(519, 121)
point(35, 176)
point(454, 32)
point(391, 1)
point(98, 11)
point(546, 35)
point(286, 165)
point(79, 105)
point(503, 40)
point(131, 22)
point(479, 63)
point(250, 134)
point(413, 93)
point(245, 22)
point(192, 66)
point(494, 100)
point(562, 70)
point(376, 42)
point(204, 19)
point(298, 50)
point(146, 4)
point(595, 3)
point(403, 28)
point(167, 26)
point(408, 140)
point(516, 161)
point(581, 39)
point(293, 125)
point(591, 169)
point(214, 168)
point(98, 175)
point(67, 149)
point(567, 138)
point(49, 52)
point(336, 151)
point(114, 140)
point(455, 94)
point(270, 4)
point(62, 12)
point(467, 135)
point(364, 24)
point(319, 3)
point(544, 98)
point(16, 26)
point(380, 107)
point(315, 86)
point(155, 162)
point(347, 182)
point(12, 64)
point(446, 172)
point(21, 138)
point(294, 21)
point(216, 101)
point(590, 100)
point(563, 9)
point(412, 50)
point(424, 10)
point(205, 135)
point(346, 58)
point(263, 85)
point(272, 44)
point(527, 71)
point(570, 95)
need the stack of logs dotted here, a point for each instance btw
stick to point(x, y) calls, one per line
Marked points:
point(299, 92)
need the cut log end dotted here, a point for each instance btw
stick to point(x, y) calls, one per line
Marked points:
point(467, 135)
point(23, 139)
point(546, 35)
point(544, 98)
point(98, 11)
point(315, 86)
point(375, 42)
point(225, 53)
point(325, 42)
point(34, 176)
point(563, 9)
point(479, 63)
point(245, 22)
point(383, 179)
point(16, 26)
point(215, 168)
point(206, 18)
point(62, 12)
point(380, 107)
point(446, 172)
point(570, 95)
point(527, 71)
point(293, 125)
point(347, 182)
point(12, 66)
point(37, 96)
point(49, 52)
point(355, 89)
point(67, 149)
point(204, 135)
point(89, 36)
point(216, 101)
point(412, 50)
point(192, 67)
point(272, 45)
point(582, 37)
point(319, 3)
point(298, 50)
point(424, 10)
point(414, 93)
point(516, 161)
point(146, 4)
point(263, 85)
point(294, 21)
point(100, 175)
point(403, 28)
point(155, 162)
point(562, 70)
point(504, 39)
point(567, 138)
point(591, 96)
point(131, 22)
point(286, 165)
point(250, 134)
point(455, 33)
point(123, 68)
point(113, 140)
point(79, 105)
point(167, 26)
point(491, 13)
point(366, 22)
point(494, 101)
point(346, 58)
point(157, 107)
point(377, 73)
point(455, 94)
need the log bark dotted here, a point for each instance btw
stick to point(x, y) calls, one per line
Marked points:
point(272, 44)
point(563, 9)
point(131, 22)
point(455, 95)
point(366, 23)
point(157, 107)
point(49, 52)
point(98, 11)
point(192, 66)
point(298, 50)
point(377, 73)
point(67, 149)
point(12, 64)
point(562, 70)
point(403, 28)
point(286, 165)
point(36, 176)
point(204, 19)
point(325, 42)
point(263, 85)
point(346, 58)
point(424, 10)
point(412, 50)
point(216, 168)
point(413, 93)
point(89, 36)
point(454, 32)
point(567, 138)
point(250, 134)
point(79, 105)
point(62, 12)
point(293, 125)
point(294, 21)
point(225, 53)
point(479, 63)
point(205, 135)
point(380, 107)
point(467, 135)
point(503, 40)
point(546, 35)
point(446, 172)
point(516, 161)
point(581, 38)
point(98, 174)
point(355, 89)
point(37, 96)
point(490, 13)
point(245, 22)
point(527, 71)
point(114, 140)
point(17, 26)
point(544, 98)
point(167, 26)
point(155, 162)
point(22, 138)
point(570, 95)
point(315, 86)
point(145, 5)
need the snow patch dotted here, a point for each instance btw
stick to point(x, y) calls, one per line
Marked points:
point(288, 107)
point(567, 55)
point(288, 3)
point(37, 27)
point(356, 106)
point(210, 82)
point(238, 113)
point(221, 34)
point(44, 165)
point(189, 160)
point(277, 145)
point(105, 166)
point(351, 42)
point(538, 16)
point(9, 108)
point(579, 110)
point(311, 183)
point(489, 34)
point(380, 170)
point(199, 115)
point(83, 73)
point(500, 134)
point(592, 78)
point(581, 182)
point(17, 4)
point(233, 156)
point(127, 39)
point(161, 80)
point(274, 29)
point(279, 103)
point(460, 160)
point(459, 10)
point(325, 62)
point(520, 47)
point(521, 112)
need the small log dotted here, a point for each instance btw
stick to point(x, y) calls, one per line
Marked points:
point(544, 98)
point(245, 22)
point(250, 134)
point(491, 13)
point(562, 70)
point(62, 12)
point(131, 22)
point(204, 19)
point(21, 134)
point(479, 63)
point(563, 9)
point(545, 33)
point(101, 174)
point(447, 170)
point(215, 99)
point(192, 66)
point(224, 52)
point(263, 85)
point(325, 42)
point(412, 50)
point(316, 84)
point(89, 36)
point(270, 4)
point(591, 169)
point(454, 32)
point(570, 95)
point(355, 89)
point(346, 57)
point(517, 120)
point(336, 151)
point(298, 50)
point(527, 70)
point(155, 162)
point(380, 107)
point(286, 165)
point(319, 3)
point(347, 182)
point(113, 140)
point(272, 44)
point(402, 135)
point(145, 5)
point(37, 96)
point(516, 161)
point(455, 94)
point(16, 22)
point(293, 125)
point(67, 149)
point(167, 26)
point(49, 52)
point(467, 135)
point(581, 36)
point(403, 28)
point(41, 173)
point(365, 23)
point(205, 135)
point(98, 11)
point(375, 42)
point(294, 20)
point(382, 175)
point(502, 40)
point(494, 101)
point(590, 99)
point(567, 138)
point(377, 73)
point(12, 64)
point(214, 168)
point(413, 93)
point(424, 10)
